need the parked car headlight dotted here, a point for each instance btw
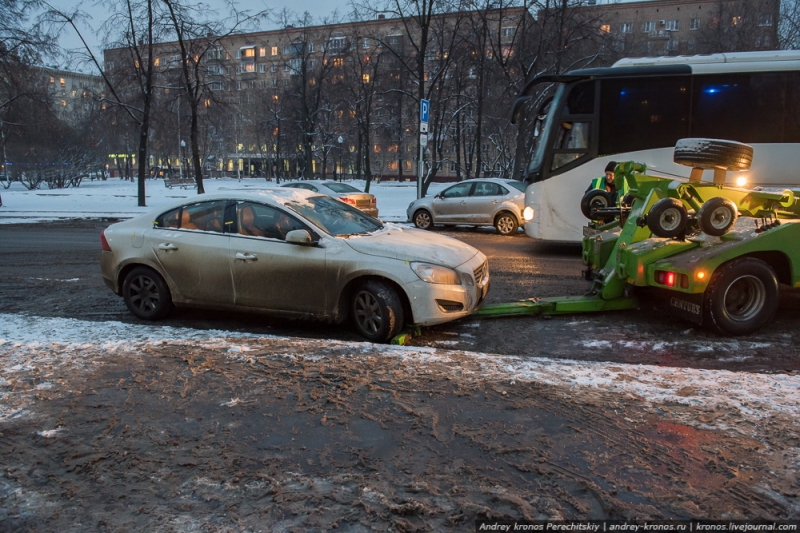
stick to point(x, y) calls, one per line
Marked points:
point(435, 274)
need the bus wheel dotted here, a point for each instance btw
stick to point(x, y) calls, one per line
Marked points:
point(667, 218)
point(741, 297)
point(713, 153)
point(717, 216)
point(595, 199)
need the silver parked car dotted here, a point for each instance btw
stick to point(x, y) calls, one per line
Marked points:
point(476, 202)
point(293, 253)
point(344, 192)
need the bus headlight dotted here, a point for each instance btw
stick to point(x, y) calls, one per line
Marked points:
point(436, 274)
point(527, 214)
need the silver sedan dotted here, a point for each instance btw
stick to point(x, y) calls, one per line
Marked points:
point(344, 192)
point(295, 253)
point(476, 202)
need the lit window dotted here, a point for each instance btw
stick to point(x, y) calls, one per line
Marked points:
point(365, 78)
point(207, 102)
point(250, 52)
point(63, 102)
point(605, 28)
point(736, 21)
point(338, 62)
point(157, 61)
point(274, 97)
point(250, 67)
point(376, 148)
point(63, 83)
point(52, 79)
point(262, 51)
point(274, 50)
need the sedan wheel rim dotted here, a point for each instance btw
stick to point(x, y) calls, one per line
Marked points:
point(505, 224)
point(744, 298)
point(423, 220)
point(144, 294)
point(721, 218)
point(669, 219)
point(368, 312)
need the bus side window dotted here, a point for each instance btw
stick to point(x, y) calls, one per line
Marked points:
point(791, 133)
point(581, 99)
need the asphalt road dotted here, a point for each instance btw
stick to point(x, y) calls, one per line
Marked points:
point(52, 269)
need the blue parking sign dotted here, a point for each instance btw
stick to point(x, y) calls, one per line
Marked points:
point(424, 107)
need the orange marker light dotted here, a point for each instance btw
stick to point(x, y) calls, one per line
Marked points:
point(700, 275)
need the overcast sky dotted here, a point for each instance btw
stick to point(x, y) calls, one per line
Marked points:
point(98, 14)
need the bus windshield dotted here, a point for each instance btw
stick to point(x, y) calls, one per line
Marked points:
point(538, 125)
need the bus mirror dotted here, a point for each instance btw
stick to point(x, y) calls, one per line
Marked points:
point(517, 104)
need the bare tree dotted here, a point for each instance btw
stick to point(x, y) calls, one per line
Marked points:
point(789, 25)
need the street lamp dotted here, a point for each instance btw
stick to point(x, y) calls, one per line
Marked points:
point(183, 154)
point(340, 140)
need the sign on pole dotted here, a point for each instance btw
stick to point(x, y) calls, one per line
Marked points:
point(424, 108)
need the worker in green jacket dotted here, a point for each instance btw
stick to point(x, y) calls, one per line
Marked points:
point(606, 183)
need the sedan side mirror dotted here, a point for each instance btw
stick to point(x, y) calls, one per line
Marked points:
point(299, 236)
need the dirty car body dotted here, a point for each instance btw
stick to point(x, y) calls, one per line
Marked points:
point(293, 253)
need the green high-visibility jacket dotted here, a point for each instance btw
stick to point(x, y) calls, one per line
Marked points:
point(600, 183)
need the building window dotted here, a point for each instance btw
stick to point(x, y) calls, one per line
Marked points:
point(605, 28)
point(274, 97)
point(310, 48)
point(286, 67)
point(274, 50)
point(736, 21)
point(336, 44)
point(262, 51)
point(262, 68)
point(338, 62)
point(238, 54)
point(376, 148)
point(286, 49)
point(274, 82)
point(64, 83)
point(408, 166)
point(64, 102)
point(312, 64)
point(365, 44)
point(157, 61)
point(765, 19)
point(626, 27)
point(649, 26)
point(273, 68)
point(296, 64)
point(394, 40)
point(509, 31)
point(365, 78)
point(673, 25)
point(695, 24)
point(250, 67)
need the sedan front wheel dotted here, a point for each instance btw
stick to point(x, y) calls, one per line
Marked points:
point(377, 311)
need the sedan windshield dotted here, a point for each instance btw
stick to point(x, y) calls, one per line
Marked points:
point(335, 217)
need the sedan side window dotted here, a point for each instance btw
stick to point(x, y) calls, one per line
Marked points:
point(170, 219)
point(457, 191)
point(486, 188)
point(259, 220)
point(205, 216)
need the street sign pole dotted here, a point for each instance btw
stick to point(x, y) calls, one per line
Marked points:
point(424, 109)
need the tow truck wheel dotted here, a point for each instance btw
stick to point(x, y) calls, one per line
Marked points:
point(713, 153)
point(741, 297)
point(717, 216)
point(595, 199)
point(667, 218)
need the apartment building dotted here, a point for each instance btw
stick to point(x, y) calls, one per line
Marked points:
point(73, 95)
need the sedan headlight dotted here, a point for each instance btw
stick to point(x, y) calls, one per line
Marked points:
point(435, 274)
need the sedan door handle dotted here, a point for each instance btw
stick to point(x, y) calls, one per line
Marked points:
point(168, 246)
point(246, 257)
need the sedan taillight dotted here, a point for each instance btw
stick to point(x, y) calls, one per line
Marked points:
point(104, 242)
point(347, 200)
point(374, 200)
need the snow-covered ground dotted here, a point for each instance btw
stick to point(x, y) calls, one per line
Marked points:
point(116, 198)
point(58, 344)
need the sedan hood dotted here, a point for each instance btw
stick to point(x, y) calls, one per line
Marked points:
point(411, 244)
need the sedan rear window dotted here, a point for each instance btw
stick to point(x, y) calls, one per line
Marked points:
point(517, 185)
point(341, 187)
point(335, 217)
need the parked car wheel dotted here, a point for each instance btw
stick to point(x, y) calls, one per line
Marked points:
point(717, 216)
point(146, 294)
point(713, 153)
point(667, 218)
point(377, 311)
point(506, 224)
point(423, 219)
point(741, 297)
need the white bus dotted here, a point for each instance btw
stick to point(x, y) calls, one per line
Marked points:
point(636, 110)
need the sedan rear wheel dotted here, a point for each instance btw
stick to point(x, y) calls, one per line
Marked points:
point(146, 294)
point(423, 219)
point(377, 311)
point(506, 224)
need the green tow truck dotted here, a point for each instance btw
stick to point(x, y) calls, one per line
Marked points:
point(717, 252)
